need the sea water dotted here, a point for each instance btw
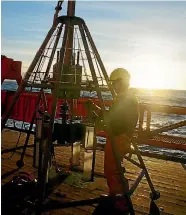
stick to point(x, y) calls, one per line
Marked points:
point(163, 97)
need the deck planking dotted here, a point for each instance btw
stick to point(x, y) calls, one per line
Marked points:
point(168, 177)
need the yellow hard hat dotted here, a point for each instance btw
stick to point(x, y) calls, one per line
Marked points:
point(119, 73)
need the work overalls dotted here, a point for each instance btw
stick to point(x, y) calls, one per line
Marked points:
point(122, 118)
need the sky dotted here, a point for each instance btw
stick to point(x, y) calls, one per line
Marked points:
point(146, 38)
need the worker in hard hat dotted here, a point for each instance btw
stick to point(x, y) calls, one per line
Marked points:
point(121, 119)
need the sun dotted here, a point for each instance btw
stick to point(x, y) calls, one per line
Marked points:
point(149, 79)
point(151, 74)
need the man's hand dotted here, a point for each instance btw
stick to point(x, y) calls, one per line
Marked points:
point(95, 108)
point(91, 104)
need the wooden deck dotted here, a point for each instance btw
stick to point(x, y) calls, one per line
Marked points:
point(168, 177)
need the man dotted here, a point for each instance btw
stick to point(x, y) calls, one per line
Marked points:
point(121, 120)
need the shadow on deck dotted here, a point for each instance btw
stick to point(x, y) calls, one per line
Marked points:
point(168, 177)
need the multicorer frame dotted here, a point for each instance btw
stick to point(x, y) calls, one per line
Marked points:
point(77, 67)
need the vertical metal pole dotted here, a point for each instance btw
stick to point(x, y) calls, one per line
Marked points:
point(69, 45)
point(148, 120)
point(71, 8)
point(57, 57)
point(94, 156)
point(53, 51)
point(141, 118)
point(44, 100)
point(27, 76)
point(78, 58)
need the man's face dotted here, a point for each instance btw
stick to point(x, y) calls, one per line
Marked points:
point(116, 86)
point(120, 85)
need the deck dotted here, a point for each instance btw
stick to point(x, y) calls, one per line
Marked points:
point(168, 177)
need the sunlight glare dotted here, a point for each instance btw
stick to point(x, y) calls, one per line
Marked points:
point(151, 74)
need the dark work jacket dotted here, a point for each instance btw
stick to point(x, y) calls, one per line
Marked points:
point(122, 117)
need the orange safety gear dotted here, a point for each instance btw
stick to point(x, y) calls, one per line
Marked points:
point(122, 147)
point(111, 172)
point(121, 119)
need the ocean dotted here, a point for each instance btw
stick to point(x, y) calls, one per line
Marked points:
point(163, 97)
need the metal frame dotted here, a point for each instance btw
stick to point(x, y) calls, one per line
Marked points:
point(154, 193)
point(85, 34)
